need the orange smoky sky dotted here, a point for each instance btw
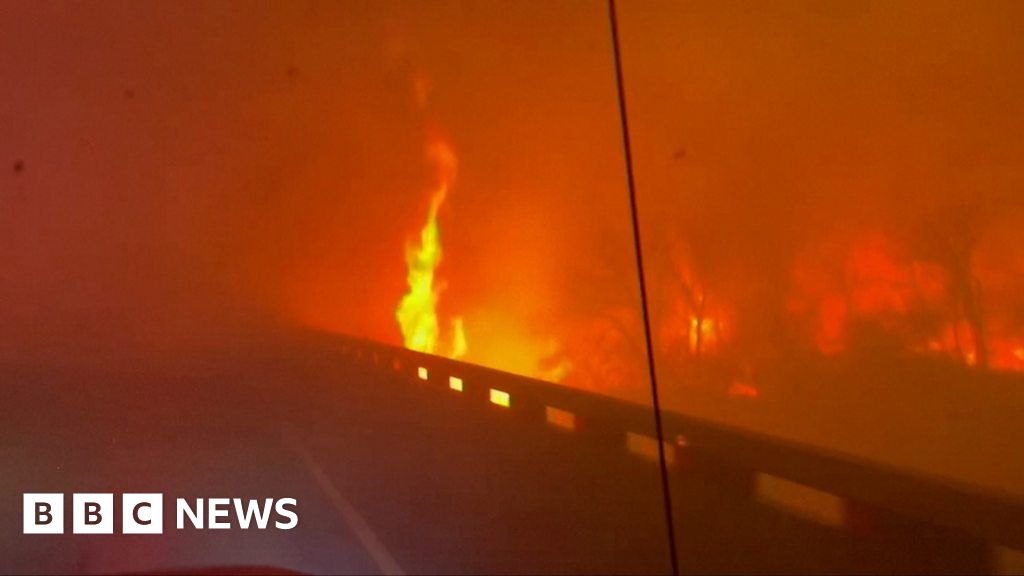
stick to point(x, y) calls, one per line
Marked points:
point(194, 170)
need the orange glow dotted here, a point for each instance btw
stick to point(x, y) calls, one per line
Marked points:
point(455, 383)
point(1007, 355)
point(741, 390)
point(597, 354)
point(511, 345)
point(882, 291)
point(703, 334)
point(695, 323)
point(554, 370)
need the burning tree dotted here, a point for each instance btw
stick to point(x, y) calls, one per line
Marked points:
point(950, 239)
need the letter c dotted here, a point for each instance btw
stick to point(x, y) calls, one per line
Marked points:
point(138, 519)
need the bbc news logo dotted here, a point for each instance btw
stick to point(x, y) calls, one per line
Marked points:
point(144, 513)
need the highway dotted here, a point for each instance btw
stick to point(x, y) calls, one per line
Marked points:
point(399, 468)
point(391, 476)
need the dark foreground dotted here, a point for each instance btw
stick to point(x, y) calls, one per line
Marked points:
point(392, 474)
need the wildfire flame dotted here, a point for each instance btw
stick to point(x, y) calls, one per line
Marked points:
point(417, 311)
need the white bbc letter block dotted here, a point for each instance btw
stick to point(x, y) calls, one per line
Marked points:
point(142, 514)
point(92, 514)
point(43, 514)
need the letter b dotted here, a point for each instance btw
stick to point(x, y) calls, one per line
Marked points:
point(43, 514)
point(93, 514)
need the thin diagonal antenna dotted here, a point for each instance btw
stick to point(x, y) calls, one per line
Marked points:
point(643, 286)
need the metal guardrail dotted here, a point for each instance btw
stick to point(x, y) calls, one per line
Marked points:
point(829, 489)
